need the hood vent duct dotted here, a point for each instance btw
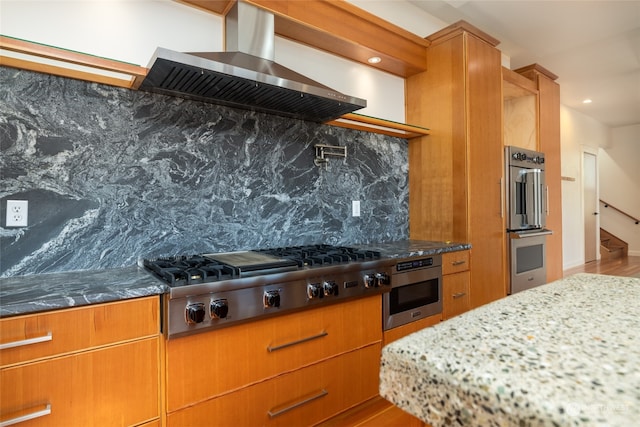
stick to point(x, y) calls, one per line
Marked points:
point(245, 76)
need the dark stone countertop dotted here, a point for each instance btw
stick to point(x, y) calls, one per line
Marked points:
point(52, 291)
point(413, 248)
point(44, 292)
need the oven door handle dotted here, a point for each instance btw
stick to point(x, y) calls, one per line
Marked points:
point(543, 232)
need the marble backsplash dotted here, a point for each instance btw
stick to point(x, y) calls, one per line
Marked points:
point(113, 175)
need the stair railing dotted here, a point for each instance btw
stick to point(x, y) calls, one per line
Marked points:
point(609, 205)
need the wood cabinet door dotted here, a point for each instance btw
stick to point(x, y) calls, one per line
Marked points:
point(299, 398)
point(486, 221)
point(456, 173)
point(402, 331)
point(205, 365)
point(550, 145)
point(111, 386)
point(455, 294)
point(35, 336)
point(455, 262)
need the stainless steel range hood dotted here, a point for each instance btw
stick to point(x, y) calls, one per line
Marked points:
point(246, 76)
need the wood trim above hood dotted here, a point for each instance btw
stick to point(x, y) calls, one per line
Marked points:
point(340, 28)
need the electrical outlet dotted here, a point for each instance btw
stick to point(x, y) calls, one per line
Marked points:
point(17, 213)
point(355, 208)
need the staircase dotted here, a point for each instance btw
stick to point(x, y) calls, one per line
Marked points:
point(612, 247)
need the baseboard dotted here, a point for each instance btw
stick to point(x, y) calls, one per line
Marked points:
point(633, 253)
point(572, 265)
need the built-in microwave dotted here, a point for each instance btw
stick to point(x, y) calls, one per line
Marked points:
point(416, 291)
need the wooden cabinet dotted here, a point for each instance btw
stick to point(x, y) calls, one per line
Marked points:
point(456, 173)
point(404, 330)
point(272, 364)
point(532, 107)
point(549, 144)
point(455, 284)
point(301, 397)
point(92, 366)
point(519, 111)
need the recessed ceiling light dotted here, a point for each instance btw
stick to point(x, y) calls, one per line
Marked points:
point(587, 101)
point(374, 60)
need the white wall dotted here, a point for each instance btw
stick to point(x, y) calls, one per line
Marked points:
point(130, 30)
point(619, 170)
point(578, 133)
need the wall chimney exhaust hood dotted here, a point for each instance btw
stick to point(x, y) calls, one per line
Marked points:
point(245, 75)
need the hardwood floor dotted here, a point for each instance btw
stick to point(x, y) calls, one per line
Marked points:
point(627, 267)
point(376, 412)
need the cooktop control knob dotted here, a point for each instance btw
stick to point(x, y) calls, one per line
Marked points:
point(382, 279)
point(271, 299)
point(330, 288)
point(369, 281)
point(195, 313)
point(219, 309)
point(314, 290)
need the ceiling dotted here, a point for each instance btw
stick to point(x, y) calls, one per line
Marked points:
point(593, 46)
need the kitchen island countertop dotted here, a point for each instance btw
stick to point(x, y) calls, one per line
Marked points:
point(562, 354)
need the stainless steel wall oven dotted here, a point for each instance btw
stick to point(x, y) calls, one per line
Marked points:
point(526, 217)
point(416, 291)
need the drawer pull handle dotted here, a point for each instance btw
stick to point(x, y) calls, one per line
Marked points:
point(20, 343)
point(273, 414)
point(300, 341)
point(27, 417)
point(459, 295)
point(458, 262)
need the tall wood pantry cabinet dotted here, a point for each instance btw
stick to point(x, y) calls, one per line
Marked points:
point(549, 143)
point(531, 116)
point(456, 173)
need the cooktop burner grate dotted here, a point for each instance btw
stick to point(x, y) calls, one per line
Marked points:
point(313, 255)
point(189, 270)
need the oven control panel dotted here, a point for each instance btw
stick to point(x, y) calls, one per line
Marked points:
point(196, 313)
point(413, 264)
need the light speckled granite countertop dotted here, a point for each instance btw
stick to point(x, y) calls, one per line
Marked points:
point(44, 292)
point(563, 354)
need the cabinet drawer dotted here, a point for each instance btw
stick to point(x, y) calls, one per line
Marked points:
point(205, 365)
point(40, 335)
point(455, 298)
point(453, 262)
point(301, 398)
point(396, 333)
point(112, 386)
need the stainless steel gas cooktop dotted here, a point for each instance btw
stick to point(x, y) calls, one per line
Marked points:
point(210, 291)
